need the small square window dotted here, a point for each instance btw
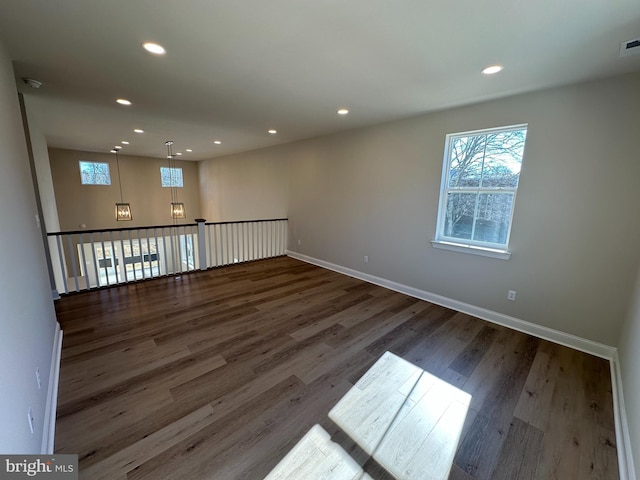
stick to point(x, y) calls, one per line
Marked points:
point(94, 173)
point(171, 177)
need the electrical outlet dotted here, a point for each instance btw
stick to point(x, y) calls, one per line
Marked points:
point(511, 295)
point(299, 242)
point(30, 419)
point(38, 379)
point(366, 259)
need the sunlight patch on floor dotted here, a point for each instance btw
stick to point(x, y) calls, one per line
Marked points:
point(406, 419)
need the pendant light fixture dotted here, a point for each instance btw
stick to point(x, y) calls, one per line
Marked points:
point(123, 210)
point(177, 208)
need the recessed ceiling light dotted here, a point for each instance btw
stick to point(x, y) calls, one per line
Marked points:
point(178, 153)
point(113, 151)
point(217, 142)
point(118, 147)
point(32, 82)
point(189, 150)
point(123, 101)
point(138, 130)
point(343, 111)
point(491, 69)
point(124, 142)
point(273, 132)
point(154, 48)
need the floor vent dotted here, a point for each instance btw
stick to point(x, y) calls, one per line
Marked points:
point(630, 47)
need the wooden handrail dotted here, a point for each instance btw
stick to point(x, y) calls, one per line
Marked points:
point(151, 227)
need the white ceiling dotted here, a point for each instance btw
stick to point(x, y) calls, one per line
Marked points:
point(235, 68)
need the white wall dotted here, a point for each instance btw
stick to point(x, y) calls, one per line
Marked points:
point(45, 188)
point(27, 317)
point(43, 173)
point(374, 192)
point(249, 186)
point(93, 205)
point(629, 354)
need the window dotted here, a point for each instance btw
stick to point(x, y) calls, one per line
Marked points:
point(480, 178)
point(94, 173)
point(171, 177)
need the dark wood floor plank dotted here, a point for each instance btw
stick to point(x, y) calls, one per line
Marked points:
point(495, 364)
point(534, 405)
point(218, 374)
point(349, 317)
point(96, 432)
point(561, 450)
point(520, 453)
point(435, 352)
point(469, 358)
point(215, 443)
point(381, 324)
point(458, 474)
point(598, 453)
point(478, 451)
point(402, 338)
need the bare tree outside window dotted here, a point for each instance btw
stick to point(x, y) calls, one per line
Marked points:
point(94, 173)
point(171, 177)
point(480, 180)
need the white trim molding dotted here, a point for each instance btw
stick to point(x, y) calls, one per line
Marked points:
point(49, 429)
point(484, 251)
point(623, 440)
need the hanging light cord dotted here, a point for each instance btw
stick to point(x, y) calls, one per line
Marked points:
point(119, 178)
point(174, 195)
point(174, 189)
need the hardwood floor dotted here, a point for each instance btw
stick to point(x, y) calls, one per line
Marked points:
point(216, 375)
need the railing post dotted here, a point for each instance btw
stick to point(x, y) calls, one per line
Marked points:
point(202, 244)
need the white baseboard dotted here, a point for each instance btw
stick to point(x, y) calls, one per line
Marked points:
point(623, 441)
point(49, 430)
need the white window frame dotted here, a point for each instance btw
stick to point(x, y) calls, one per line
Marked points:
point(179, 176)
point(489, 249)
point(80, 162)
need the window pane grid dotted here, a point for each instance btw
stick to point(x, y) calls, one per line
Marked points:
point(94, 173)
point(480, 181)
point(171, 177)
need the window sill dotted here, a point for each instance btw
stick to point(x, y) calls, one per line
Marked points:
point(473, 249)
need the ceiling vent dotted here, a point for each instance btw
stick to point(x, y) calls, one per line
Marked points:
point(630, 47)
